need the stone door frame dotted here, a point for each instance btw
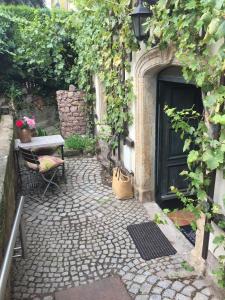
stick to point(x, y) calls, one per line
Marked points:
point(146, 71)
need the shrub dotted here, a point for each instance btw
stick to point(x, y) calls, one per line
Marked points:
point(37, 46)
point(82, 143)
point(41, 132)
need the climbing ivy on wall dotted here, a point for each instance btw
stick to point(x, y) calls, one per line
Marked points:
point(104, 43)
point(36, 45)
point(57, 48)
point(97, 39)
point(196, 31)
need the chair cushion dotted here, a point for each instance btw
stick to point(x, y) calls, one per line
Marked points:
point(32, 166)
point(49, 162)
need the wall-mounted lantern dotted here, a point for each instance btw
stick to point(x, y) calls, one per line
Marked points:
point(57, 5)
point(139, 17)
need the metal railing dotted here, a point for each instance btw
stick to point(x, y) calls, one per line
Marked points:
point(18, 225)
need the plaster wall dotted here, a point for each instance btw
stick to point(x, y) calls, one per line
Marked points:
point(219, 192)
point(212, 247)
point(219, 195)
point(64, 4)
point(48, 3)
point(100, 111)
point(127, 152)
point(100, 107)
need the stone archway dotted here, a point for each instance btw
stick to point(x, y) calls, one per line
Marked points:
point(146, 71)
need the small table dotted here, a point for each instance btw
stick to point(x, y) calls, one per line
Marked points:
point(49, 141)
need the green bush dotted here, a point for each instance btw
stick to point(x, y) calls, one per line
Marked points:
point(41, 132)
point(36, 3)
point(37, 45)
point(82, 143)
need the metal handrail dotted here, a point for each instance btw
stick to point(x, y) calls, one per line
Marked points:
point(5, 269)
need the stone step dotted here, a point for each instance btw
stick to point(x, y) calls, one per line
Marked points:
point(110, 288)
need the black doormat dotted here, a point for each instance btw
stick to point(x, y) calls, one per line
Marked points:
point(150, 241)
point(189, 233)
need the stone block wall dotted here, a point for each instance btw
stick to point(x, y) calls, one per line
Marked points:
point(7, 186)
point(72, 111)
point(46, 117)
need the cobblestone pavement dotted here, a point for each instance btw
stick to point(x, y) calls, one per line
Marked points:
point(78, 235)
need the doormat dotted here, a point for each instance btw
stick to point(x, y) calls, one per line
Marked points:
point(106, 289)
point(150, 241)
point(189, 233)
point(181, 217)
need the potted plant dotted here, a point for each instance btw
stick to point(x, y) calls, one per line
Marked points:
point(25, 125)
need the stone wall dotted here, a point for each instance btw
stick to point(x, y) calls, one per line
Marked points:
point(7, 185)
point(44, 109)
point(47, 118)
point(72, 111)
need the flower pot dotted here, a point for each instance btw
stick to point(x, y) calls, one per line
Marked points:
point(25, 135)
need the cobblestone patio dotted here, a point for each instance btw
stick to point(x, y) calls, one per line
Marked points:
point(78, 235)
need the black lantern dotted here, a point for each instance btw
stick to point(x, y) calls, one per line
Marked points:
point(139, 17)
point(57, 5)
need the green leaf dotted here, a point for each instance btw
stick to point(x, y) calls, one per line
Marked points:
point(221, 224)
point(187, 266)
point(218, 119)
point(213, 26)
point(192, 157)
point(201, 195)
point(159, 219)
point(219, 240)
point(187, 144)
point(213, 158)
point(219, 4)
point(216, 209)
point(210, 100)
point(221, 30)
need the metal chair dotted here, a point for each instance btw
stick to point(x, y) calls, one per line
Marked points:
point(34, 163)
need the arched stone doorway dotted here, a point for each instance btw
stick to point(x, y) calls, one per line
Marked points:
point(145, 77)
point(146, 72)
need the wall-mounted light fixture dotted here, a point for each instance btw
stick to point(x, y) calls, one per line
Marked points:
point(57, 4)
point(139, 17)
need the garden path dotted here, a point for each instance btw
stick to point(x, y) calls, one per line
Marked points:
point(78, 235)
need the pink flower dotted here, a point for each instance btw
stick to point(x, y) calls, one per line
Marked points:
point(30, 122)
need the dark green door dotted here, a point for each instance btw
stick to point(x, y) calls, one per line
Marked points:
point(170, 157)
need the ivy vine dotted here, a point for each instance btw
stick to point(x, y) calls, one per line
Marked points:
point(97, 39)
point(196, 30)
point(104, 43)
point(55, 48)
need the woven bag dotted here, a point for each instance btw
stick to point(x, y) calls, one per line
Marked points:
point(122, 184)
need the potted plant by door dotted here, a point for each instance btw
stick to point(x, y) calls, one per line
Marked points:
point(25, 125)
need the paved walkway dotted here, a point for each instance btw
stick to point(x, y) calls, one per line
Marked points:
point(78, 235)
